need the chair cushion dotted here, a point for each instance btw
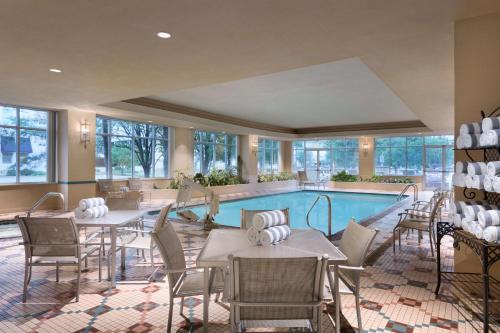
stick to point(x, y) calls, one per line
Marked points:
point(192, 284)
point(414, 224)
point(142, 243)
point(84, 252)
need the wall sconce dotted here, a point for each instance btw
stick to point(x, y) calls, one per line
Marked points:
point(365, 147)
point(84, 133)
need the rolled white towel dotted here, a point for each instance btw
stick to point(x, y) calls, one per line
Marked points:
point(484, 140)
point(488, 218)
point(458, 179)
point(459, 143)
point(493, 137)
point(268, 219)
point(496, 184)
point(476, 229)
point(471, 140)
point(456, 220)
point(478, 182)
point(461, 167)
point(95, 212)
point(79, 213)
point(253, 236)
point(274, 235)
point(91, 202)
point(493, 168)
point(490, 123)
point(477, 168)
point(469, 181)
point(492, 234)
point(471, 211)
point(458, 207)
point(488, 183)
point(470, 128)
point(465, 224)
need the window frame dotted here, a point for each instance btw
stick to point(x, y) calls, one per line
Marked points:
point(326, 144)
point(213, 142)
point(263, 149)
point(51, 143)
point(109, 138)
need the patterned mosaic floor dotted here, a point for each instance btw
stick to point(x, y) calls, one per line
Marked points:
point(397, 295)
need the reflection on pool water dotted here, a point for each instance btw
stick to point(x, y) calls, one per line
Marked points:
point(344, 206)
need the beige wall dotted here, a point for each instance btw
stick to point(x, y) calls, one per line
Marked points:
point(366, 158)
point(247, 150)
point(181, 156)
point(477, 87)
point(286, 156)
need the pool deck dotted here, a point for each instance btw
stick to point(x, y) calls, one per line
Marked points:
point(397, 293)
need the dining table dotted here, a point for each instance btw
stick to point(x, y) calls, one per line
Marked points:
point(113, 220)
point(221, 243)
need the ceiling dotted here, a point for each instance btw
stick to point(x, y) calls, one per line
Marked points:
point(109, 52)
point(343, 92)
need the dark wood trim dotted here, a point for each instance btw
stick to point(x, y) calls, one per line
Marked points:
point(362, 127)
point(153, 103)
point(161, 105)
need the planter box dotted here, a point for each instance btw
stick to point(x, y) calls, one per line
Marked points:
point(227, 189)
point(367, 186)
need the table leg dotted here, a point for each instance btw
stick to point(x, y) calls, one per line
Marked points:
point(206, 297)
point(334, 288)
point(113, 257)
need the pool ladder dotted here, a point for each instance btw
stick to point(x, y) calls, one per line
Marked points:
point(329, 202)
point(44, 198)
point(407, 187)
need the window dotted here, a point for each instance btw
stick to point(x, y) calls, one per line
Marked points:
point(126, 149)
point(26, 145)
point(268, 159)
point(322, 158)
point(214, 151)
point(404, 156)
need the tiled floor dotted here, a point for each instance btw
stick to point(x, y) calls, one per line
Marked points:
point(397, 295)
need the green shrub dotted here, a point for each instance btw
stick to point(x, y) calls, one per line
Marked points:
point(394, 180)
point(282, 176)
point(343, 176)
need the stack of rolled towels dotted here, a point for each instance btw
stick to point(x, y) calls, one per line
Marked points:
point(268, 228)
point(479, 134)
point(478, 175)
point(91, 208)
point(477, 217)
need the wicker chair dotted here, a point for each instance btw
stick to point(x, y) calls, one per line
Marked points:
point(408, 222)
point(52, 242)
point(182, 281)
point(247, 216)
point(133, 238)
point(355, 243)
point(277, 292)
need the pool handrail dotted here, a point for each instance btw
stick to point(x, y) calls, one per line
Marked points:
point(407, 187)
point(44, 198)
point(329, 201)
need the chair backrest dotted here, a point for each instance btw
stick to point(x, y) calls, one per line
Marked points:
point(355, 242)
point(436, 209)
point(162, 218)
point(123, 200)
point(106, 185)
point(52, 237)
point(135, 184)
point(247, 216)
point(302, 176)
point(170, 247)
point(276, 280)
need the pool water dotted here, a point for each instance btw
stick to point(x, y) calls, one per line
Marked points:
point(344, 207)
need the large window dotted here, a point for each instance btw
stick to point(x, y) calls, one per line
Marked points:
point(26, 145)
point(429, 156)
point(269, 152)
point(214, 151)
point(322, 158)
point(126, 149)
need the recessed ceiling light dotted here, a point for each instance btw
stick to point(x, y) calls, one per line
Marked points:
point(191, 127)
point(55, 70)
point(150, 121)
point(419, 133)
point(164, 35)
